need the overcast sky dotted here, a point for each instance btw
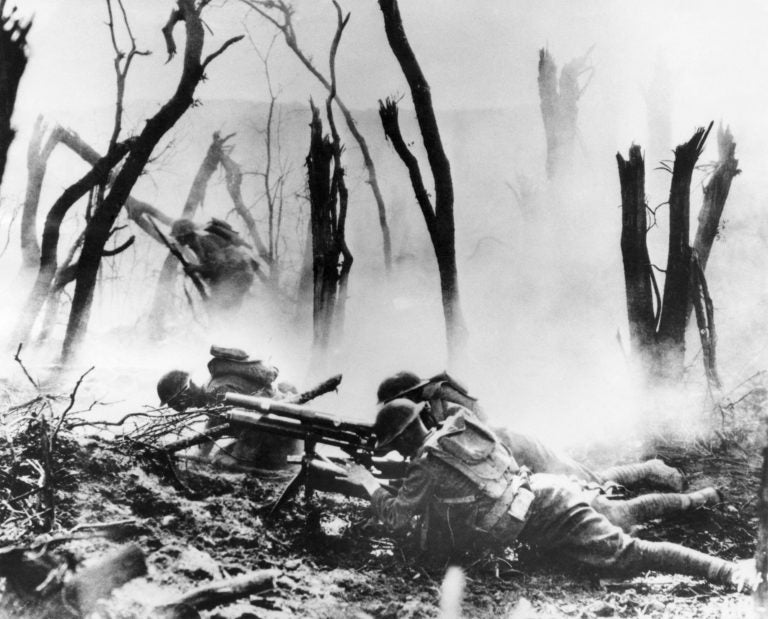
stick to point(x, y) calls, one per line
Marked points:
point(478, 53)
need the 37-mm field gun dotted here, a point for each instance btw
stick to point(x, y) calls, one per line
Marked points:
point(317, 472)
point(237, 412)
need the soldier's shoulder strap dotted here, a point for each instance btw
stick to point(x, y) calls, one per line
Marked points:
point(472, 449)
point(446, 379)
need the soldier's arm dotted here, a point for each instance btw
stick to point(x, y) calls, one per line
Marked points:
point(396, 512)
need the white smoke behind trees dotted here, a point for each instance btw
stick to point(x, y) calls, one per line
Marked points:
point(541, 280)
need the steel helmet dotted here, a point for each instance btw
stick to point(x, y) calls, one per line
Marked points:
point(393, 418)
point(172, 385)
point(392, 386)
point(182, 228)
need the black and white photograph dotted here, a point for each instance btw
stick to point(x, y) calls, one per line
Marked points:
point(383, 309)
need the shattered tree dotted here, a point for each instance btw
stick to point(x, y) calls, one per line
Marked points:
point(559, 108)
point(13, 61)
point(331, 258)
point(657, 321)
point(439, 219)
point(100, 225)
point(715, 195)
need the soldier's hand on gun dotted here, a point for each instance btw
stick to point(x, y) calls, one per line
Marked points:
point(358, 474)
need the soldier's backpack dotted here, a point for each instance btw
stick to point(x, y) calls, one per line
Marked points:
point(224, 230)
point(472, 449)
point(232, 365)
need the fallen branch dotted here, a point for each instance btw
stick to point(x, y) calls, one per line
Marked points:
point(210, 434)
point(223, 591)
point(18, 360)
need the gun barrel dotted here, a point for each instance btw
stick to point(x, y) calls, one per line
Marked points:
point(295, 411)
point(295, 429)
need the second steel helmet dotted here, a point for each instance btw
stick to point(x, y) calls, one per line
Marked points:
point(182, 228)
point(172, 385)
point(393, 418)
point(393, 386)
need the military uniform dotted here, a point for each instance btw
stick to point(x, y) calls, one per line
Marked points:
point(441, 392)
point(465, 481)
point(232, 370)
point(225, 268)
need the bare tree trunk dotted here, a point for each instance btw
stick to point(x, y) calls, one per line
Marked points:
point(13, 61)
point(659, 339)
point(49, 252)
point(37, 162)
point(761, 550)
point(559, 108)
point(440, 222)
point(715, 195)
point(638, 273)
point(324, 254)
point(671, 331)
point(234, 180)
point(304, 288)
point(63, 273)
point(98, 229)
point(705, 320)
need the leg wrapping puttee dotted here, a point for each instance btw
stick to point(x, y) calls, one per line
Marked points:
point(626, 514)
point(641, 555)
point(651, 472)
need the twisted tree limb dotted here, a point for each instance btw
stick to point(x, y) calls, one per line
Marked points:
point(443, 236)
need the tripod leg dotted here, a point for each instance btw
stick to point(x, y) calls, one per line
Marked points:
point(290, 490)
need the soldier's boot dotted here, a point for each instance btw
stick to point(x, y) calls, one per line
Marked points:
point(629, 513)
point(652, 472)
point(642, 555)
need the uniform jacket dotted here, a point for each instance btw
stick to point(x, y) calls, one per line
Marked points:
point(462, 479)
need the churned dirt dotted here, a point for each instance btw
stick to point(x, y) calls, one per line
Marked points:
point(333, 563)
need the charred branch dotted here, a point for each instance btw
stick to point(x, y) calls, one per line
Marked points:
point(634, 251)
point(715, 195)
point(671, 332)
point(761, 549)
point(98, 174)
point(388, 112)
point(559, 106)
point(705, 320)
point(38, 153)
point(13, 61)
point(444, 231)
point(119, 249)
point(331, 258)
point(167, 30)
point(234, 179)
point(222, 592)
